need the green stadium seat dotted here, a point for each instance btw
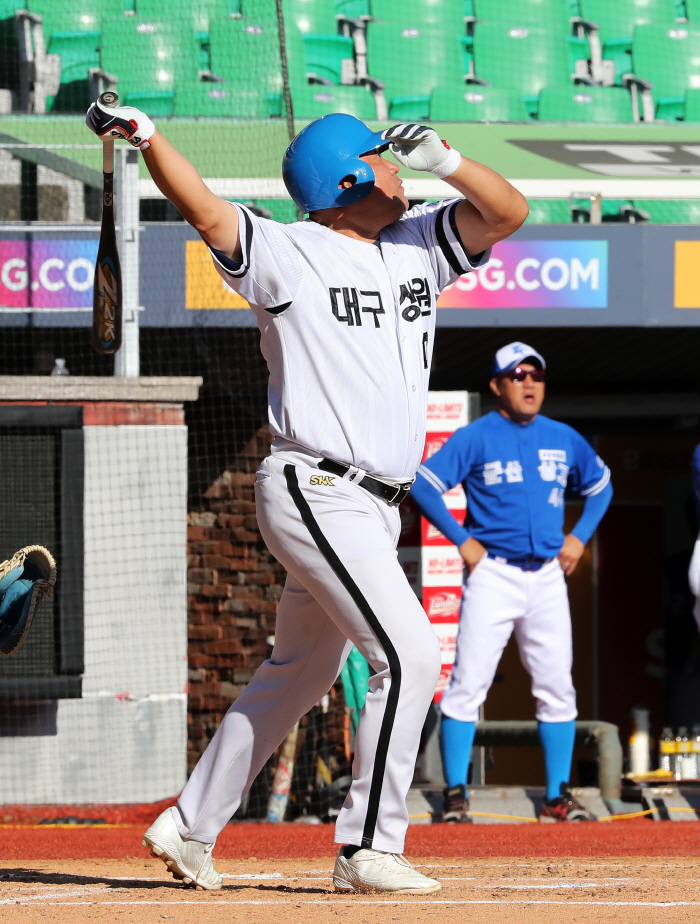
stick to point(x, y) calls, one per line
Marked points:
point(311, 17)
point(537, 14)
point(668, 57)
point(549, 211)
point(352, 9)
point(692, 9)
point(73, 32)
point(551, 15)
point(412, 60)
point(79, 52)
point(61, 16)
point(671, 211)
point(149, 56)
point(692, 106)
point(260, 11)
point(8, 7)
point(477, 104)
point(246, 55)
point(313, 101)
point(585, 104)
point(197, 98)
point(521, 58)
point(296, 58)
point(325, 54)
point(198, 13)
point(157, 103)
point(617, 20)
point(447, 15)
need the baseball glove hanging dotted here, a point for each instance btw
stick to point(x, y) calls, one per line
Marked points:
point(27, 577)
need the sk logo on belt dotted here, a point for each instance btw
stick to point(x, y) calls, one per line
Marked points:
point(321, 479)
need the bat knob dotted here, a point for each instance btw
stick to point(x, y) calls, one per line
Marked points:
point(109, 99)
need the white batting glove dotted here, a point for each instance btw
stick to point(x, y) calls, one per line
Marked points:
point(121, 122)
point(420, 148)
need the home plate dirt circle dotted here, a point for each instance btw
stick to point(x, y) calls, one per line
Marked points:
point(627, 890)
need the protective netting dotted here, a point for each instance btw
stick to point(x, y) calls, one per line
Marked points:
point(166, 599)
point(179, 594)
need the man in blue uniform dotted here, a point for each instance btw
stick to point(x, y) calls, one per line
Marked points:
point(515, 466)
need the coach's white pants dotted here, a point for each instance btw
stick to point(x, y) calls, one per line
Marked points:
point(345, 586)
point(499, 599)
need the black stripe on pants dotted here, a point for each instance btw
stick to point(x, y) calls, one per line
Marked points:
point(375, 791)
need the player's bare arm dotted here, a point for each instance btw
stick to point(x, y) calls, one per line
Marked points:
point(174, 175)
point(180, 182)
point(492, 208)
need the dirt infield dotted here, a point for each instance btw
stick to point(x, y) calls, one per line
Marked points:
point(480, 891)
point(638, 837)
point(627, 872)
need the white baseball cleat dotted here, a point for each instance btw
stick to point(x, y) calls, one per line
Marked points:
point(187, 860)
point(376, 871)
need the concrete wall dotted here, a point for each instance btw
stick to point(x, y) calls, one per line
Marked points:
point(126, 739)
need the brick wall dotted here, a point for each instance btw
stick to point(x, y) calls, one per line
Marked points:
point(234, 586)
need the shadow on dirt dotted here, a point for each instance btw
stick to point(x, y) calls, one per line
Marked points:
point(19, 874)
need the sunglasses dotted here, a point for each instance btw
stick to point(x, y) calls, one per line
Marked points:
point(519, 374)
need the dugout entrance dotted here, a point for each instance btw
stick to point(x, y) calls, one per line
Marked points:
point(633, 393)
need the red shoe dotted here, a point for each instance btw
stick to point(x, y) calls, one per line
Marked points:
point(564, 808)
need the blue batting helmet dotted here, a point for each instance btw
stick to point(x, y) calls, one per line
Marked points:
point(325, 152)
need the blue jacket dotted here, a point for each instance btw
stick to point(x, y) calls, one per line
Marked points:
point(514, 476)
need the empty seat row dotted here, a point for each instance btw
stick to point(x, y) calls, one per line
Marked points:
point(657, 211)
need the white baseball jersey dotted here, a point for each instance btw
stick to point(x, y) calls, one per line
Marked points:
point(347, 330)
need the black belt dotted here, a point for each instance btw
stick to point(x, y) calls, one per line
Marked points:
point(525, 564)
point(392, 494)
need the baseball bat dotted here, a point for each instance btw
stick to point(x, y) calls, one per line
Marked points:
point(107, 288)
point(282, 783)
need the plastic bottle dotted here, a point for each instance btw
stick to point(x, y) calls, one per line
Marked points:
point(59, 368)
point(682, 750)
point(667, 747)
point(639, 741)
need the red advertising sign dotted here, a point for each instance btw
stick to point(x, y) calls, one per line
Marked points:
point(433, 565)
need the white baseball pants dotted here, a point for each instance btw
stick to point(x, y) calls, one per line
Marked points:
point(499, 599)
point(345, 586)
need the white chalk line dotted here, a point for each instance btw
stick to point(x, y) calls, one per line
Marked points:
point(295, 902)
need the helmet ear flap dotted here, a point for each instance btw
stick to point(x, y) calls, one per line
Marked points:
point(364, 182)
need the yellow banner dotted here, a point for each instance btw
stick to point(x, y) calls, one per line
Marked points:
point(204, 288)
point(686, 292)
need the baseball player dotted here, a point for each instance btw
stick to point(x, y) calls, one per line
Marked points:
point(345, 303)
point(515, 466)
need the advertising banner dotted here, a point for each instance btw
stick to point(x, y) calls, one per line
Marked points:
point(535, 274)
point(47, 273)
point(433, 565)
point(566, 275)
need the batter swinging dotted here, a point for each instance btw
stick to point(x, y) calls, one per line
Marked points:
point(345, 302)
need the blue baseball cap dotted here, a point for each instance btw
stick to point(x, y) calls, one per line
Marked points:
point(510, 356)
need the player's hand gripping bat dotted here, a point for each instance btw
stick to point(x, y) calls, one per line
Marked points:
point(107, 289)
